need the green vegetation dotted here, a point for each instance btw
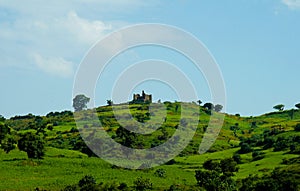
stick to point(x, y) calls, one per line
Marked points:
point(250, 153)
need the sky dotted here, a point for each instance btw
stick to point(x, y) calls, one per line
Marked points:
point(42, 43)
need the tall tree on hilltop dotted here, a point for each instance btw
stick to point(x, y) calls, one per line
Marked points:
point(279, 107)
point(80, 101)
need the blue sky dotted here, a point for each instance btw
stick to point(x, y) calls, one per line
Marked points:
point(256, 44)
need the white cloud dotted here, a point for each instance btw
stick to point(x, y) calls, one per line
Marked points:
point(292, 4)
point(55, 66)
point(66, 37)
point(58, 30)
point(85, 31)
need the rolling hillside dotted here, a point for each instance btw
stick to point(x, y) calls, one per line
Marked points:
point(258, 145)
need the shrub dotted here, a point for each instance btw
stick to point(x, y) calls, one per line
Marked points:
point(237, 158)
point(170, 162)
point(71, 188)
point(257, 155)
point(297, 127)
point(245, 148)
point(87, 180)
point(141, 184)
point(160, 173)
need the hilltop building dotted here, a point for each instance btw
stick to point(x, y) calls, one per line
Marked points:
point(142, 98)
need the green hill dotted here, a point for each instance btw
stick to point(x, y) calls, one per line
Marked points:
point(258, 144)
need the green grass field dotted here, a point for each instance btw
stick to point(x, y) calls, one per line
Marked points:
point(63, 166)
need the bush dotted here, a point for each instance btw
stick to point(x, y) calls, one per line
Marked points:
point(71, 188)
point(123, 186)
point(141, 184)
point(171, 162)
point(245, 148)
point(295, 148)
point(237, 158)
point(257, 155)
point(160, 173)
point(297, 127)
point(87, 180)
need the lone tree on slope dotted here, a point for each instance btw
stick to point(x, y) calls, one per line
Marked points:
point(279, 107)
point(80, 101)
point(218, 108)
point(33, 145)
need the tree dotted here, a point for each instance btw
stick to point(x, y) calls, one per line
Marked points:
point(257, 155)
point(237, 158)
point(7, 141)
point(212, 165)
point(228, 166)
point(126, 137)
point(279, 107)
point(39, 125)
point(81, 146)
point(245, 148)
point(209, 106)
point(2, 119)
point(199, 102)
point(218, 108)
point(80, 101)
point(217, 175)
point(4, 130)
point(297, 127)
point(234, 128)
point(8, 144)
point(33, 145)
point(297, 105)
point(109, 102)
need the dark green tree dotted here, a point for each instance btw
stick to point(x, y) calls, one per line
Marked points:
point(32, 144)
point(257, 155)
point(80, 102)
point(217, 176)
point(39, 124)
point(8, 143)
point(2, 119)
point(297, 127)
point(109, 102)
point(245, 148)
point(218, 108)
point(235, 128)
point(212, 165)
point(199, 102)
point(209, 106)
point(297, 105)
point(279, 107)
point(81, 146)
point(4, 130)
point(237, 158)
point(228, 166)
point(126, 137)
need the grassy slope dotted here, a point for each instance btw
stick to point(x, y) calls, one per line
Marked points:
point(62, 167)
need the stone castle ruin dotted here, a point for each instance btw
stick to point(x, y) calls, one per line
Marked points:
point(142, 98)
